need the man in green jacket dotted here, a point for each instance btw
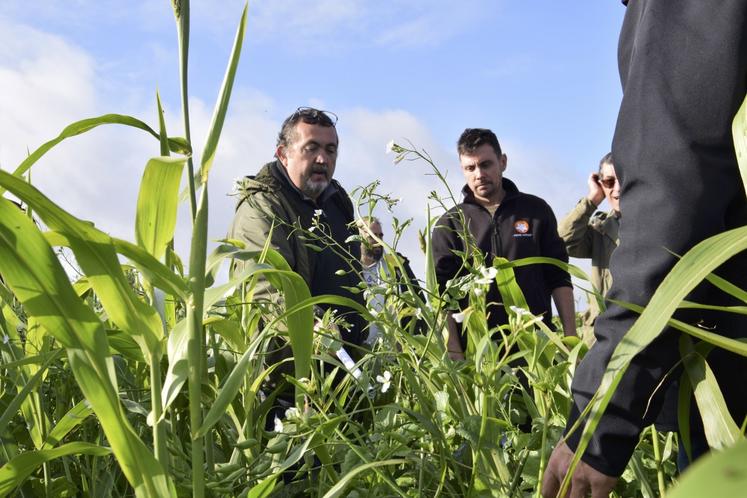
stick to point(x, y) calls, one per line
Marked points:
point(589, 233)
point(306, 215)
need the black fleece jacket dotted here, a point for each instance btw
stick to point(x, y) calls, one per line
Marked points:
point(523, 226)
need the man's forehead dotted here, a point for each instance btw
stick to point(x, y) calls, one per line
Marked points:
point(481, 154)
point(322, 134)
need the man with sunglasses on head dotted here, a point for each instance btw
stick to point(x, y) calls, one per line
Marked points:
point(506, 223)
point(294, 202)
point(589, 233)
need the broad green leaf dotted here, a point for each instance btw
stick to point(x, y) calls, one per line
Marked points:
point(219, 115)
point(157, 204)
point(155, 271)
point(96, 255)
point(263, 488)
point(13, 473)
point(176, 144)
point(72, 419)
point(178, 371)
point(720, 473)
point(689, 271)
point(720, 429)
point(31, 270)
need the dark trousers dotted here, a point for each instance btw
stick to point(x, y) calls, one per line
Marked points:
point(683, 66)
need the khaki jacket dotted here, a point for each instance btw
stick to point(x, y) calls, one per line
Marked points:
point(589, 234)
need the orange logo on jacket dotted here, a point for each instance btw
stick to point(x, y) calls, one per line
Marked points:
point(521, 226)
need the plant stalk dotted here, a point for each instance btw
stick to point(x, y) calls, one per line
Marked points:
point(657, 459)
point(181, 10)
point(159, 425)
point(196, 343)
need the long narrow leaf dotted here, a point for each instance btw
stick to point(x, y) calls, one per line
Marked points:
point(175, 144)
point(219, 115)
point(13, 473)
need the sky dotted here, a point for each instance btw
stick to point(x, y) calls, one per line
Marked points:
point(542, 74)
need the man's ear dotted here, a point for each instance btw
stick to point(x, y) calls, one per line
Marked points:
point(280, 154)
point(503, 162)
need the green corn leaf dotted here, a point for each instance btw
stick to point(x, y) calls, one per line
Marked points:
point(13, 473)
point(720, 429)
point(178, 145)
point(72, 419)
point(154, 271)
point(720, 473)
point(219, 115)
point(263, 488)
point(689, 271)
point(178, 371)
point(157, 204)
point(31, 270)
point(97, 257)
point(163, 141)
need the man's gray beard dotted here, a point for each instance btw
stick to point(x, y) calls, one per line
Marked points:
point(315, 189)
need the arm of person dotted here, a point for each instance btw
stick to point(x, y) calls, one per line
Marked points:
point(444, 241)
point(574, 228)
point(257, 219)
point(563, 298)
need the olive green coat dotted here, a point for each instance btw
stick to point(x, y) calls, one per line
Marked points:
point(594, 235)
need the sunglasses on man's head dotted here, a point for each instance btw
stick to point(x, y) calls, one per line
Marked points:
point(608, 182)
point(309, 115)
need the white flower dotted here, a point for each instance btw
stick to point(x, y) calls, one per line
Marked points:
point(278, 424)
point(487, 275)
point(458, 317)
point(519, 311)
point(390, 146)
point(318, 212)
point(6, 339)
point(291, 413)
point(385, 380)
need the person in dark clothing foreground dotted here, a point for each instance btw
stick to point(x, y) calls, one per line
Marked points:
point(683, 67)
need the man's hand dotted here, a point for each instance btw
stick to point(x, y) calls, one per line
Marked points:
point(585, 479)
point(596, 194)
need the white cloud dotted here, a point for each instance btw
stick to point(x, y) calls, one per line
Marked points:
point(46, 84)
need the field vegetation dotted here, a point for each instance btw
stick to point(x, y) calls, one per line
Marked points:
point(144, 376)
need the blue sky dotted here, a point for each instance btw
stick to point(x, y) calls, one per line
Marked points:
point(542, 74)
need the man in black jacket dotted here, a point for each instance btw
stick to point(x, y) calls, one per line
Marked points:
point(683, 67)
point(503, 223)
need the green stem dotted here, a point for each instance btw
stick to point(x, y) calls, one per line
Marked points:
point(159, 426)
point(543, 448)
point(657, 459)
point(182, 29)
point(196, 342)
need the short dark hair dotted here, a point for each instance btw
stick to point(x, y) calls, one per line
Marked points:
point(308, 115)
point(606, 159)
point(473, 138)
